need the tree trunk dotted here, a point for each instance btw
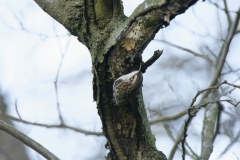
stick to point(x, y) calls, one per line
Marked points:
point(116, 43)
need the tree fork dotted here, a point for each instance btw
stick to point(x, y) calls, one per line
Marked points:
point(116, 43)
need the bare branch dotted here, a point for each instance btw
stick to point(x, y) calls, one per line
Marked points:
point(169, 132)
point(236, 156)
point(16, 108)
point(224, 51)
point(233, 141)
point(59, 68)
point(194, 155)
point(217, 72)
point(227, 13)
point(192, 111)
point(205, 57)
point(27, 140)
point(205, 90)
point(208, 132)
point(233, 85)
point(173, 150)
point(224, 9)
point(236, 70)
point(62, 125)
point(165, 125)
point(149, 62)
point(211, 52)
point(167, 118)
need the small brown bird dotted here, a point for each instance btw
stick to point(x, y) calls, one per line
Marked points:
point(126, 84)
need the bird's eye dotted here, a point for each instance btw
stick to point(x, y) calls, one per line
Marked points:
point(131, 79)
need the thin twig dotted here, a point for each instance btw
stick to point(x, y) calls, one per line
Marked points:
point(16, 108)
point(224, 9)
point(217, 73)
point(233, 141)
point(191, 150)
point(187, 50)
point(211, 52)
point(205, 90)
point(166, 126)
point(224, 51)
point(236, 70)
point(227, 13)
point(169, 132)
point(173, 150)
point(236, 155)
point(58, 72)
point(192, 111)
point(149, 62)
point(86, 132)
point(28, 141)
point(167, 118)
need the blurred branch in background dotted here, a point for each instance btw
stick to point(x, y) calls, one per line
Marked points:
point(63, 53)
point(192, 112)
point(27, 140)
point(205, 57)
point(234, 138)
point(61, 125)
point(210, 100)
point(168, 128)
point(204, 66)
point(168, 118)
point(10, 147)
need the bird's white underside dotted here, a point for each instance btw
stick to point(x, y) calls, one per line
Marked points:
point(127, 77)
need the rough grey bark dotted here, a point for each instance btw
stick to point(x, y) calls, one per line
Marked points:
point(116, 43)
